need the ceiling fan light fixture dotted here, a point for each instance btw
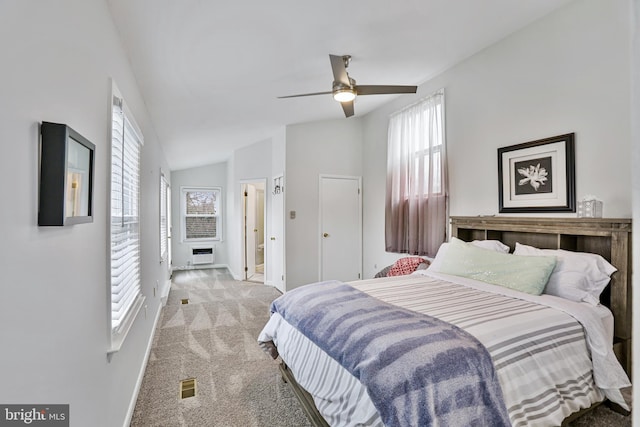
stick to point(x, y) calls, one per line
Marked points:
point(344, 95)
point(345, 89)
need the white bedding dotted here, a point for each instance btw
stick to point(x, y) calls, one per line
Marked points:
point(530, 400)
point(608, 373)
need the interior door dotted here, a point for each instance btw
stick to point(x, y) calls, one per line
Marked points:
point(340, 228)
point(276, 239)
point(249, 230)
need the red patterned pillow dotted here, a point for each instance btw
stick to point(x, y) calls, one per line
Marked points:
point(406, 265)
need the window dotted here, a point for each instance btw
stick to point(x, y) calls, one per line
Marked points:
point(126, 291)
point(416, 198)
point(164, 218)
point(428, 155)
point(201, 214)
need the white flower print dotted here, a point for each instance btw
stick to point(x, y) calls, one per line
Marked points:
point(534, 175)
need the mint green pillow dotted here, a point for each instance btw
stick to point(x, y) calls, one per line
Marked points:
point(523, 273)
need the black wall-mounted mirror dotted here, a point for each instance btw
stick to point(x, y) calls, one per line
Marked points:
point(66, 176)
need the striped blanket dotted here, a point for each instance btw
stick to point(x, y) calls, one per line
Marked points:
point(541, 354)
point(418, 370)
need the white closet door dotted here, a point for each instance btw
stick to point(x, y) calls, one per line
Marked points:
point(340, 228)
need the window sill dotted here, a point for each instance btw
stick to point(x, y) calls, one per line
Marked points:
point(119, 334)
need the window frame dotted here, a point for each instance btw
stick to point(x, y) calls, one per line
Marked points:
point(118, 330)
point(427, 154)
point(183, 214)
point(165, 227)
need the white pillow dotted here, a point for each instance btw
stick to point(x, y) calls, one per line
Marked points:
point(493, 245)
point(578, 276)
point(437, 260)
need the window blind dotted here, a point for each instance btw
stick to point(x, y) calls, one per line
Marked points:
point(164, 225)
point(126, 291)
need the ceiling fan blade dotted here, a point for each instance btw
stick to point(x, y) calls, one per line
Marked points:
point(384, 89)
point(305, 94)
point(347, 106)
point(339, 70)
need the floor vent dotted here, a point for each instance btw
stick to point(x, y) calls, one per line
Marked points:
point(184, 300)
point(187, 388)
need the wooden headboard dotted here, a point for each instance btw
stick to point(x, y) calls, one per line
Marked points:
point(608, 237)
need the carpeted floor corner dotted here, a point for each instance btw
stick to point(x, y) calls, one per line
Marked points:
point(213, 339)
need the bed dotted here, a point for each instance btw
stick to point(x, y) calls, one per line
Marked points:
point(539, 372)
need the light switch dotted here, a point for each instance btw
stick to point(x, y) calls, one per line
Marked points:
point(292, 214)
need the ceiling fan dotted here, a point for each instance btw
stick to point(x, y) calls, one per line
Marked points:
point(345, 89)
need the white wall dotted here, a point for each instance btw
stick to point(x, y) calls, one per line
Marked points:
point(214, 175)
point(278, 152)
point(328, 147)
point(57, 60)
point(569, 72)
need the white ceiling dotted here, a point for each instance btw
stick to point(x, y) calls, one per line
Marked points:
point(210, 71)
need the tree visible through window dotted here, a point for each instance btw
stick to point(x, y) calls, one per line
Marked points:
point(201, 213)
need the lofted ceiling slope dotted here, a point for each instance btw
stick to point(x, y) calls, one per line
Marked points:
point(210, 71)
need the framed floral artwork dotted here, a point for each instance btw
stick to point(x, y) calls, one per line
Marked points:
point(537, 176)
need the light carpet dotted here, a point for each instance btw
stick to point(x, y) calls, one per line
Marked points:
point(213, 339)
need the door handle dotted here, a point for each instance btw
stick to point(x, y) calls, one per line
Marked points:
point(325, 235)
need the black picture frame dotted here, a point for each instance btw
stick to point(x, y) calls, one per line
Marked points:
point(66, 176)
point(537, 176)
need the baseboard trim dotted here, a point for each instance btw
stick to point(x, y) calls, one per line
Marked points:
point(233, 274)
point(132, 404)
point(199, 267)
point(209, 266)
point(164, 292)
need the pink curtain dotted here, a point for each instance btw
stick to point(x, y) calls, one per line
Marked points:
point(416, 198)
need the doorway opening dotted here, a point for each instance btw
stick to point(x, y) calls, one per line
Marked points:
point(253, 230)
